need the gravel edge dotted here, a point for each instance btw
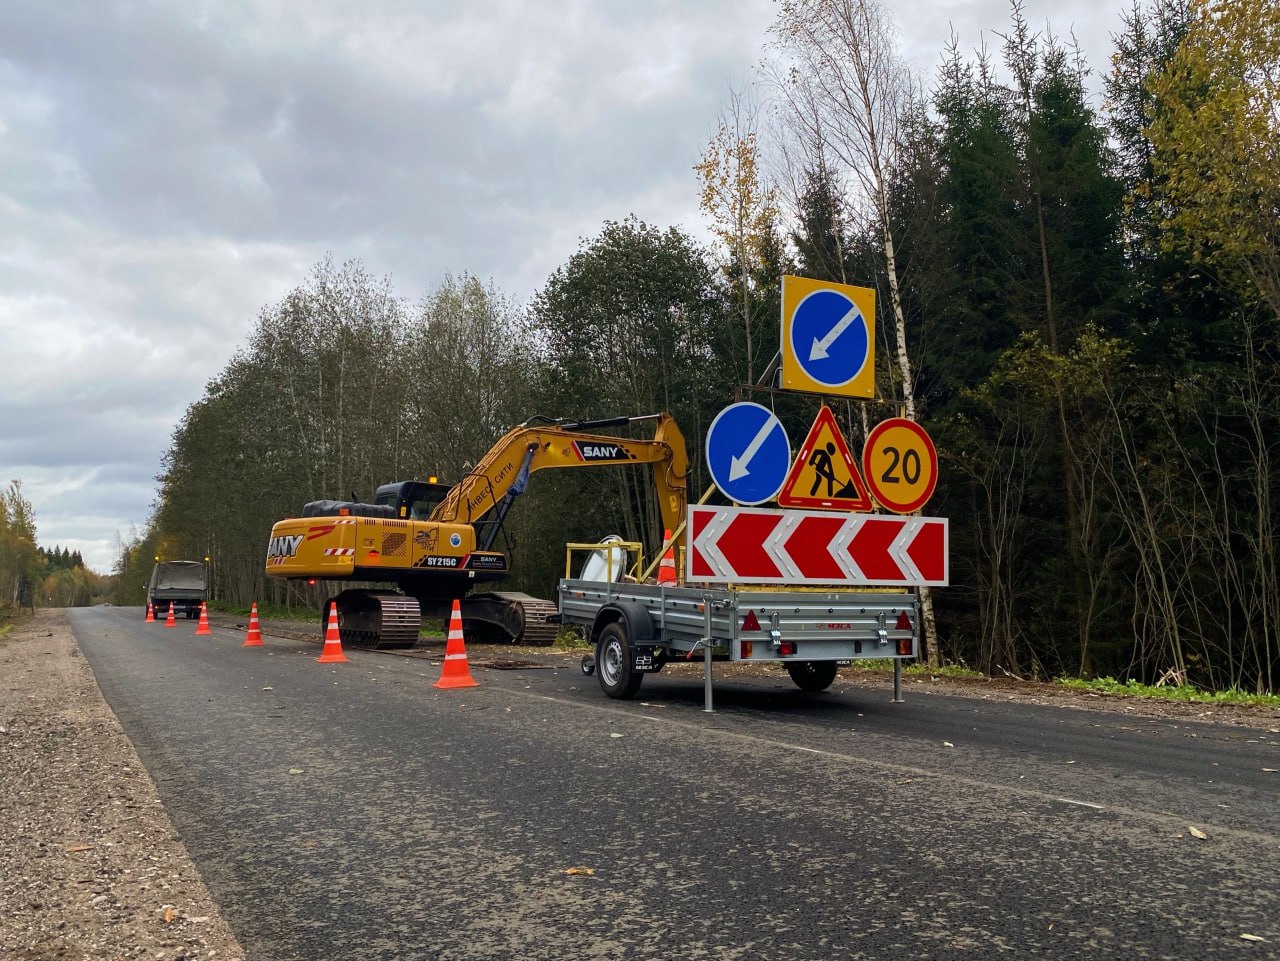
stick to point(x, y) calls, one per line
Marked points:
point(90, 863)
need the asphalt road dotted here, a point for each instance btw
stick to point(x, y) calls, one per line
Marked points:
point(354, 811)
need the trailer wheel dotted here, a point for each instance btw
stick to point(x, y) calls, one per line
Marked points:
point(812, 675)
point(614, 669)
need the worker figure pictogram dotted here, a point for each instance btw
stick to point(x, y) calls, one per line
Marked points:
point(824, 467)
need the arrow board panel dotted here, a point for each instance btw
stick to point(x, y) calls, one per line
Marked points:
point(744, 545)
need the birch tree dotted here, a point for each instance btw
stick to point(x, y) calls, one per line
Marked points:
point(847, 93)
point(17, 545)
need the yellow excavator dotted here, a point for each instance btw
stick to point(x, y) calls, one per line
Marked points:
point(434, 543)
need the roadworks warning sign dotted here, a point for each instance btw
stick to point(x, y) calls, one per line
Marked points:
point(825, 475)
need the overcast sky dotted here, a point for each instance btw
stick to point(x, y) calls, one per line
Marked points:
point(169, 168)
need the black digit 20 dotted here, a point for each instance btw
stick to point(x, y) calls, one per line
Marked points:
point(911, 466)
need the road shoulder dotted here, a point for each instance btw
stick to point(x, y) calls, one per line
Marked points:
point(90, 864)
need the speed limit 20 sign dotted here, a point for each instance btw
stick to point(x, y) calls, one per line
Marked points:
point(900, 465)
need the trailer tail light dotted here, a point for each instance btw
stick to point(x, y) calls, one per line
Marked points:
point(746, 650)
point(751, 622)
point(904, 646)
point(311, 582)
point(904, 622)
point(374, 555)
point(786, 648)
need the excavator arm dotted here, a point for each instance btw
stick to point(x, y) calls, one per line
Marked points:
point(505, 470)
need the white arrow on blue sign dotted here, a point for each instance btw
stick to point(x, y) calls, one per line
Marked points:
point(748, 453)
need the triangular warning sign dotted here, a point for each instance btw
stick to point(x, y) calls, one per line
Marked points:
point(824, 476)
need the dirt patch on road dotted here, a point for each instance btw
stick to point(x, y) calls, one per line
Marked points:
point(90, 864)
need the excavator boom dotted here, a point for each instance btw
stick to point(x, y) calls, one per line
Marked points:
point(527, 449)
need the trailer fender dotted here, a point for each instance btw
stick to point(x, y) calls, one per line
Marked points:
point(645, 650)
point(634, 617)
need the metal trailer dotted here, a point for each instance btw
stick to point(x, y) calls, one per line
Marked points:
point(635, 629)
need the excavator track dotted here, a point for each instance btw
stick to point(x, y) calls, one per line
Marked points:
point(381, 620)
point(510, 617)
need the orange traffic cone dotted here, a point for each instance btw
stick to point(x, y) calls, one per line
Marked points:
point(203, 626)
point(254, 637)
point(151, 613)
point(332, 653)
point(456, 673)
point(667, 566)
point(170, 621)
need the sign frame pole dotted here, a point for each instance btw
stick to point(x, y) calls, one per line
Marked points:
point(707, 707)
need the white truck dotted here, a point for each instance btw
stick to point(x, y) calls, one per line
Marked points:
point(637, 628)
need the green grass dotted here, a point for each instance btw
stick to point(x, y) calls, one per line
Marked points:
point(1185, 692)
point(570, 639)
point(946, 670)
point(5, 629)
point(274, 612)
point(1103, 685)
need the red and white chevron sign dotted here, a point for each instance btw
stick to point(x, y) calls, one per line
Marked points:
point(759, 546)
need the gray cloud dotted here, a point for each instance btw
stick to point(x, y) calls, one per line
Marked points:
point(167, 169)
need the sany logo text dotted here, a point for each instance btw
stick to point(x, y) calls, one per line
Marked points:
point(286, 546)
point(590, 452)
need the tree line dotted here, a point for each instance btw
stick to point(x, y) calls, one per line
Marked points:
point(32, 576)
point(1079, 302)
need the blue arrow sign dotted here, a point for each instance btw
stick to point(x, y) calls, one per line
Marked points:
point(829, 338)
point(748, 453)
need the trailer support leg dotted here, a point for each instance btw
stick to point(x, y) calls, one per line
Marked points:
point(706, 656)
point(897, 680)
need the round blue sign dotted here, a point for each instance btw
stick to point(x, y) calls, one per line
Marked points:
point(748, 453)
point(829, 338)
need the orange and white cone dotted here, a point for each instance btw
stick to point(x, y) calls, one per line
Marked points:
point(203, 626)
point(170, 621)
point(151, 613)
point(332, 653)
point(667, 566)
point(456, 672)
point(254, 636)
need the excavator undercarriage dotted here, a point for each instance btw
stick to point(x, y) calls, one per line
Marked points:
point(385, 620)
point(376, 619)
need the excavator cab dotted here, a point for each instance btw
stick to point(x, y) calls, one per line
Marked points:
point(412, 500)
